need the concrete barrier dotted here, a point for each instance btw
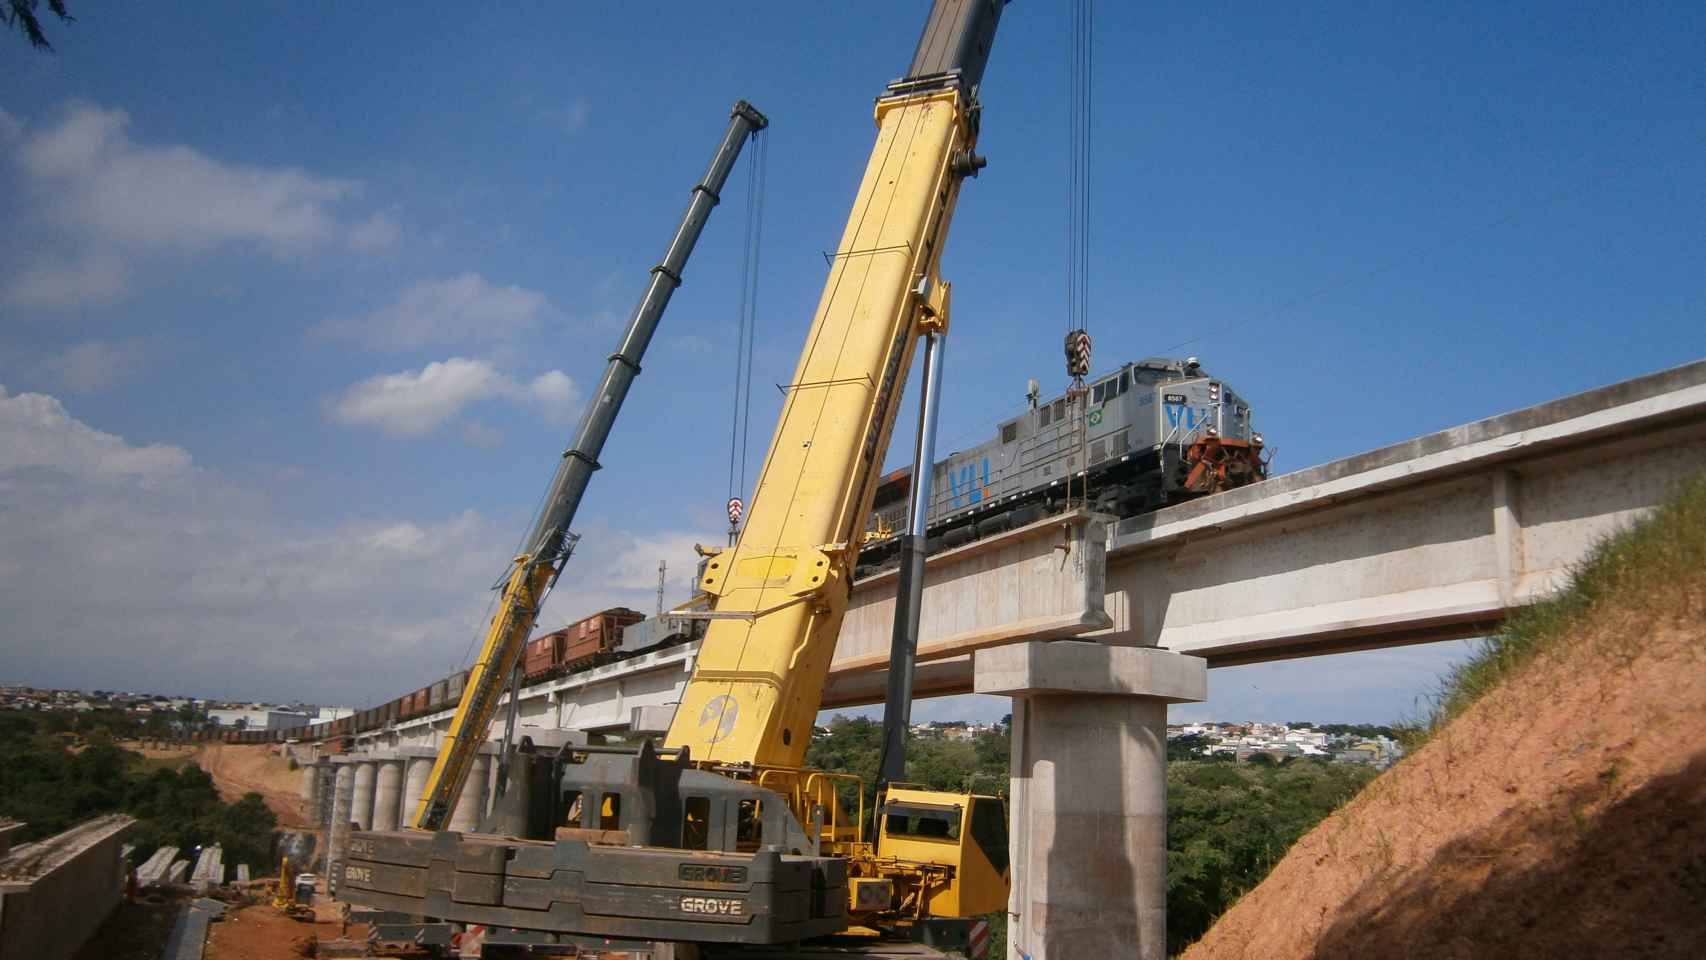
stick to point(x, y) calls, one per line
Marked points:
point(55, 893)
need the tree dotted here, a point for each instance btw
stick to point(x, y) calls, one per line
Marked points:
point(21, 15)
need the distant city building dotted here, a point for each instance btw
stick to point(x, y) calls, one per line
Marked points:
point(250, 718)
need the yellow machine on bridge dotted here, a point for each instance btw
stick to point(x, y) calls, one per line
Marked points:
point(722, 834)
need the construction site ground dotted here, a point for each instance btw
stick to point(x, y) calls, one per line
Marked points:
point(139, 930)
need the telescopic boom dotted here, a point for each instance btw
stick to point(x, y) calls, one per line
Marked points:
point(550, 542)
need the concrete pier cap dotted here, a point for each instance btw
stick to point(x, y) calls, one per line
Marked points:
point(1088, 831)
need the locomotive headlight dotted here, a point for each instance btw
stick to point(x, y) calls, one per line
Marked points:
point(1210, 431)
point(1214, 392)
point(1256, 439)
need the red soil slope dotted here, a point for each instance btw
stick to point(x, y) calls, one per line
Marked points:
point(241, 768)
point(1563, 815)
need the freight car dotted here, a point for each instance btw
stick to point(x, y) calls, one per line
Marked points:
point(580, 645)
point(613, 634)
point(1151, 433)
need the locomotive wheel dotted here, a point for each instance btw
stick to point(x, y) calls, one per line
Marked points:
point(1025, 515)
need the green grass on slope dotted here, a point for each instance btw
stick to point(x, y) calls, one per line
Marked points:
point(1644, 571)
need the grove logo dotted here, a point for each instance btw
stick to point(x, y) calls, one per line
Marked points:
point(716, 906)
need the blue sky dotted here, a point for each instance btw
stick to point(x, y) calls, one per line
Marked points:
point(298, 301)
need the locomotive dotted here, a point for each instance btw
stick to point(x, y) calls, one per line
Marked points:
point(1151, 433)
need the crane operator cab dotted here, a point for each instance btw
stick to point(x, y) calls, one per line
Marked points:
point(940, 856)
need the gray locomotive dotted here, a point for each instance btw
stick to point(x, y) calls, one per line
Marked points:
point(1149, 434)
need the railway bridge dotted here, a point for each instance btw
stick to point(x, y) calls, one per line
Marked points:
point(1435, 538)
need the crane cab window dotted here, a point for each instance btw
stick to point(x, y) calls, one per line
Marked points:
point(989, 829)
point(749, 826)
point(696, 823)
point(922, 822)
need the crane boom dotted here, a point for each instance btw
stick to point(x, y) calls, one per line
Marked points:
point(548, 544)
point(780, 593)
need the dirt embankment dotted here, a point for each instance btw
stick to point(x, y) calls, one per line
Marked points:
point(1562, 815)
point(244, 768)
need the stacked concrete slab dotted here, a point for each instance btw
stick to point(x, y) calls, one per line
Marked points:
point(209, 869)
point(55, 893)
point(153, 870)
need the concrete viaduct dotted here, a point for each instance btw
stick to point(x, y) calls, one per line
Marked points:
point(1435, 538)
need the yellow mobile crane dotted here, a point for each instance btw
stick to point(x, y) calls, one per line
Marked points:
point(722, 835)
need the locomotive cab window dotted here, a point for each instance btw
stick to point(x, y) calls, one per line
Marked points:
point(1009, 432)
point(1097, 392)
point(1044, 415)
point(1125, 381)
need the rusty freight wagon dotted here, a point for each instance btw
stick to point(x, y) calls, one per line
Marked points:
point(543, 656)
point(595, 639)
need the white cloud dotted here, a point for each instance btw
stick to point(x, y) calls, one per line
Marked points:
point(37, 432)
point(91, 278)
point(375, 234)
point(555, 395)
point(456, 309)
point(415, 403)
point(482, 435)
point(171, 578)
point(105, 199)
point(94, 366)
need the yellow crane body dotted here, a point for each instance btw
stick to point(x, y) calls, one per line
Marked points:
point(780, 593)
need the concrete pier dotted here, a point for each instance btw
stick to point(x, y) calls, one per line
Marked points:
point(310, 788)
point(361, 808)
point(337, 832)
point(471, 806)
point(387, 794)
point(419, 769)
point(1088, 834)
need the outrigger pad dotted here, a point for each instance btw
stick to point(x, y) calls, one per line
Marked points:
point(573, 888)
